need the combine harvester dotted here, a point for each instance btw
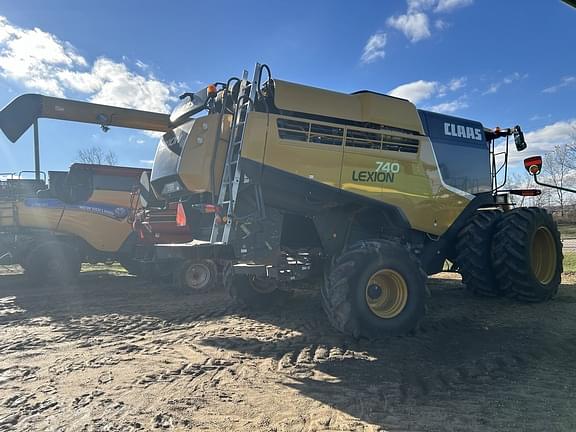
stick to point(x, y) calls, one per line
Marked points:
point(362, 189)
point(51, 225)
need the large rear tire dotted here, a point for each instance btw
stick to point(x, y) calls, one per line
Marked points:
point(53, 262)
point(473, 254)
point(527, 254)
point(375, 288)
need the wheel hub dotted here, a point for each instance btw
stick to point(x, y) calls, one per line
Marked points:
point(197, 276)
point(543, 255)
point(373, 292)
point(386, 293)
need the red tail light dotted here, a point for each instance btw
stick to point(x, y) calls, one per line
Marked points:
point(180, 216)
point(526, 192)
point(211, 208)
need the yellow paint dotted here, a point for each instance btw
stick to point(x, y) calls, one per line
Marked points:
point(363, 107)
point(32, 217)
point(255, 134)
point(102, 232)
point(194, 168)
point(417, 188)
point(318, 162)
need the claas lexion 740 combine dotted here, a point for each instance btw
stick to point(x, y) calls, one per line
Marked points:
point(286, 182)
point(51, 225)
point(361, 189)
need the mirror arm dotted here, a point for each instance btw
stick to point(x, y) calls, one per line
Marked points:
point(538, 182)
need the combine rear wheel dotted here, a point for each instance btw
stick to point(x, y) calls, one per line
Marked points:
point(473, 253)
point(375, 288)
point(53, 262)
point(196, 276)
point(251, 291)
point(527, 254)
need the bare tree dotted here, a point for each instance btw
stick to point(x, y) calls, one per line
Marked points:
point(557, 169)
point(97, 155)
point(571, 149)
point(525, 181)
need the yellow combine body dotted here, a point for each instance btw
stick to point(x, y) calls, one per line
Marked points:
point(362, 191)
point(362, 188)
point(85, 212)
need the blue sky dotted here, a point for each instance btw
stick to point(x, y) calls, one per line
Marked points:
point(500, 62)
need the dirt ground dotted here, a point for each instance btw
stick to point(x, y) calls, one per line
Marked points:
point(121, 354)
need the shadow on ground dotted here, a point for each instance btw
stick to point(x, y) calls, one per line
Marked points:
point(475, 364)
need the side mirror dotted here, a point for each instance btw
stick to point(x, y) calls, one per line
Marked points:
point(533, 165)
point(519, 139)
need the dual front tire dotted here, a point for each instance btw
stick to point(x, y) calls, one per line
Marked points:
point(517, 254)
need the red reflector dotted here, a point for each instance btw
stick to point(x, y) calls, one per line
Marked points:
point(526, 192)
point(533, 164)
point(210, 208)
point(180, 216)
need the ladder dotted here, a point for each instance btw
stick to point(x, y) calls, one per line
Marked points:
point(232, 175)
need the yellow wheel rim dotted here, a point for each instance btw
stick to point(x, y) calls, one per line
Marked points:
point(386, 293)
point(543, 255)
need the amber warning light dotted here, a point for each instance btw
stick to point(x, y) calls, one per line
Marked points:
point(533, 165)
point(212, 91)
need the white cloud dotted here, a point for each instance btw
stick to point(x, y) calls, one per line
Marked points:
point(543, 140)
point(142, 65)
point(450, 5)
point(419, 5)
point(537, 117)
point(546, 138)
point(121, 87)
point(33, 56)
point(453, 85)
point(440, 24)
point(41, 62)
point(416, 91)
point(415, 23)
point(147, 161)
point(415, 26)
point(564, 82)
point(457, 83)
point(374, 48)
point(449, 107)
point(494, 87)
point(83, 82)
point(421, 90)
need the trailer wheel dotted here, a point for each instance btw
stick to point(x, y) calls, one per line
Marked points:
point(250, 291)
point(527, 254)
point(53, 262)
point(473, 254)
point(134, 267)
point(375, 288)
point(196, 276)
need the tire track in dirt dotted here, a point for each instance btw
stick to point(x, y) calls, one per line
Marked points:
point(197, 363)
